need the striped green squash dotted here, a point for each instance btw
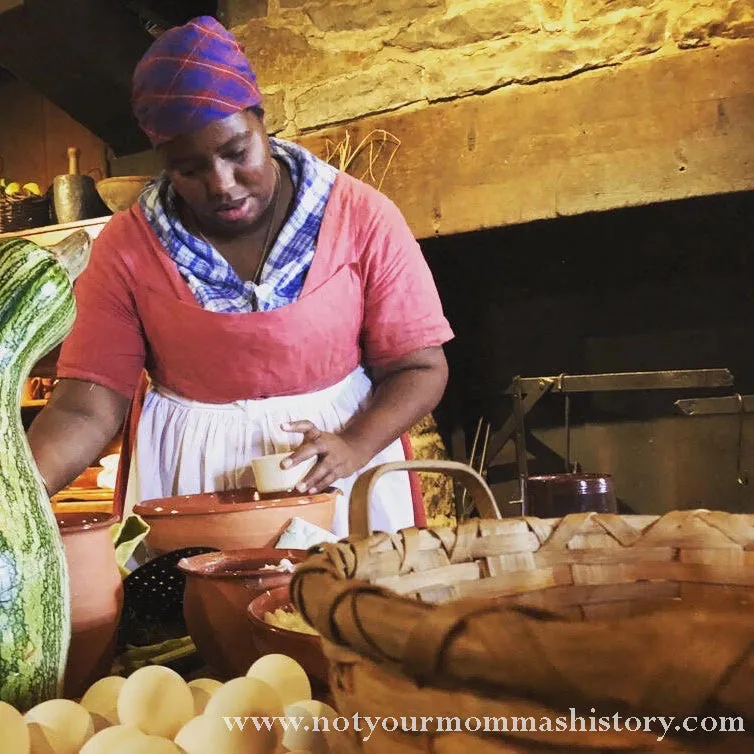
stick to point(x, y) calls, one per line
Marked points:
point(37, 310)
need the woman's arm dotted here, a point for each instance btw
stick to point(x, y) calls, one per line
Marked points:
point(100, 363)
point(73, 428)
point(403, 330)
point(406, 390)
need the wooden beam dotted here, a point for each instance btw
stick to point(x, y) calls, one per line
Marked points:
point(658, 129)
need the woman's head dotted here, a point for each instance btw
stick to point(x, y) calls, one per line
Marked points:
point(197, 99)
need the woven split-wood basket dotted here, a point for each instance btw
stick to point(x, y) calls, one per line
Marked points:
point(452, 635)
point(24, 213)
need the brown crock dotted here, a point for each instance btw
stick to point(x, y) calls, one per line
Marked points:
point(305, 649)
point(558, 495)
point(232, 520)
point(96, 597)
point(219, 587)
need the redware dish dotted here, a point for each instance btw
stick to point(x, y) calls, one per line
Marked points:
point(96, 597)
point(232, 520)
point(219, 587)
point(306, 649)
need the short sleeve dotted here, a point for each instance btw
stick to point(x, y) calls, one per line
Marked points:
point(106, 344)
point(402, 307)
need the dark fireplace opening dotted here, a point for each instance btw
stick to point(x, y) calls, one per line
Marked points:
point(665, 286)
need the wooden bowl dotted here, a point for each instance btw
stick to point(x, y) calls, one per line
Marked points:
point(232, 520)
point(120, 192)
point(305, 649)
point(219, 587)
point(96, 597)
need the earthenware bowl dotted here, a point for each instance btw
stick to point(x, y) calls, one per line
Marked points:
point(218, 589)
point(120, 192)
point(96, 597)
point(233, 520)
point(306, 649)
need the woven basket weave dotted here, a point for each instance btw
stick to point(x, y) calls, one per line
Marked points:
point(24, 213)
point(520, 621)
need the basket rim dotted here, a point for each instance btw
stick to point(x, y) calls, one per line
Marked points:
point(14, 199)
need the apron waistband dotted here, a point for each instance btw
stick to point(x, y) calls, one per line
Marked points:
point(357, 380)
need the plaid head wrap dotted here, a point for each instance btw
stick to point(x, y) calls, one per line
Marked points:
point(191, 76)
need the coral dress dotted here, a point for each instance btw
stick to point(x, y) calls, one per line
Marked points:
point(221, 384)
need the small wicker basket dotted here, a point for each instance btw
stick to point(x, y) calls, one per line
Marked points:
point(24, 213)
point(470, 639)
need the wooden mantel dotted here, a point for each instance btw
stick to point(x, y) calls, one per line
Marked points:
point(661, 128)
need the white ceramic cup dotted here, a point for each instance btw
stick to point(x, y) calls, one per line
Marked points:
point(269, 477)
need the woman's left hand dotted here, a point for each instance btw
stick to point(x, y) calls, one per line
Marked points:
point(338, 458)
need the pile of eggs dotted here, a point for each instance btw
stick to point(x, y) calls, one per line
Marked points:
point(155, 711)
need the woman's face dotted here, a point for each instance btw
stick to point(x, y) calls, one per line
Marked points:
point(224, 173)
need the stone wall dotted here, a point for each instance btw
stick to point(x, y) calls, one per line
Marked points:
point(324, 62)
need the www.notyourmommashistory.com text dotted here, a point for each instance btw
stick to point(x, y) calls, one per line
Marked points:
point(573, 722)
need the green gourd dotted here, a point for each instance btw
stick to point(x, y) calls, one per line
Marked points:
point(37, 311)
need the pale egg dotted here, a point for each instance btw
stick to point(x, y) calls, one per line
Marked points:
point(243, 697)
point(308, 722)
point(71, 724)
point(202, 689)
point(211, 733)
point(285, 675)
point(15, 734)
point(148, 745)
point(156, 700)
point(248, 697)
point(316, 708)
point(106, 740)
point(101, 698)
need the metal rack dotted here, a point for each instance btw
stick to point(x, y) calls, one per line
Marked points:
point(724, 405)
point(526, 392)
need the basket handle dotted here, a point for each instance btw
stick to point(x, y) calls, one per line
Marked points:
point(359, 523)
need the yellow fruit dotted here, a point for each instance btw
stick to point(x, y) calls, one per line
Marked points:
point(12, 188)
point(32, 188)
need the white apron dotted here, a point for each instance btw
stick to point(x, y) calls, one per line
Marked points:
point(184, 447)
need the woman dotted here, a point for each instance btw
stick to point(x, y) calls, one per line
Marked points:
point(275, 303)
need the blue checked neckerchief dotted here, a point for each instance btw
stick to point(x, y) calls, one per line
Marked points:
point(213, 282)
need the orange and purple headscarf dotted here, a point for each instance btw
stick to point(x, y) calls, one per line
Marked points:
point(191, 76)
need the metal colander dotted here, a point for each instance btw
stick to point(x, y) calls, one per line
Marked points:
point(153, 600)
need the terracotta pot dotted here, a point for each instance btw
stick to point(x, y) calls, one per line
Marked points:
point(306, 649)
point(232, 520)
point(219, 587)
point(96, 597)
point(560, 494)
